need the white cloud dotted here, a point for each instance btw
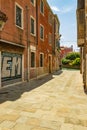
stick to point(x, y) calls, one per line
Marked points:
point(63, 10)
point(54, 8)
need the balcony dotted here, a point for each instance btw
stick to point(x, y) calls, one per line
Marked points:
point(80, 26)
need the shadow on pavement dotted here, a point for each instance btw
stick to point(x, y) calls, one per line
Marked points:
point(58, 72)
point(14, 92)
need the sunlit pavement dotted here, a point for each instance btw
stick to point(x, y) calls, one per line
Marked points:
point(56, 102)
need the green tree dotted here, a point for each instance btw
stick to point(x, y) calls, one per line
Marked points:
point(72, 59)
point(73, 55)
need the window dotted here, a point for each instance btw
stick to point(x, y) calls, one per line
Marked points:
point(32, 59)
point(50, 18)
point(32, 26)
point(19, 16)
point(41, 60)
point(58, 44)
point(50, 38)
point(41, 32)
point(33, 2)
point(41, 6)
point(56, 27)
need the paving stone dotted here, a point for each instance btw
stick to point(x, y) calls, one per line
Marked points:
point(33, 121)
point(22, 119)
point(41, 128)
point(5, 104)
point(9, 117)
point(72, 120)
point(36, 105)
point(1, 120)
point(5, 129)
point(29, 114)
point(46, 106)
point(5, 110)
point(80, 128)
point(76, 121)
point(50, 124)
point(27, 109)
point(67, 127)
point(20, 126)
point(7, 124)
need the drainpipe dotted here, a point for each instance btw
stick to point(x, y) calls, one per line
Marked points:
point(84, 50)
point(28, 44)
point(36, 22)
point(54, 46)
point(54, 35)
point(36, 36)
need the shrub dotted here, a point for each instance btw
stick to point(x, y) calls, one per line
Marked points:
point(76, 62)
point(65, 61)
point(72, 59)
point(73, 55)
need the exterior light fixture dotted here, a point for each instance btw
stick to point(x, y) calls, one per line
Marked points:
point(3, 20)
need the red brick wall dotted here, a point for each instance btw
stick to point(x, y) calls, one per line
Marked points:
point(43, 46)
point(14, 34)
point(11, 32)
point(65, 51)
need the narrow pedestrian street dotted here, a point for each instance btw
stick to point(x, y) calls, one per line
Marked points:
point(56, 102)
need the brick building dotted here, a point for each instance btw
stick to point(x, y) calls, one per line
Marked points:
point(65, 50)
point(56, 43)
point(27, 41)
point(48, 25)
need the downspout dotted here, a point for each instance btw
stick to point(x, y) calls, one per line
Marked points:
point(0, 55)
point(36, 36)
point(54, 35)
point(54, 45)
point(36, 22)
point(28, 48)
point(84, 77)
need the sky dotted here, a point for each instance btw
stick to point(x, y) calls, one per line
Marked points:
point(66, 12)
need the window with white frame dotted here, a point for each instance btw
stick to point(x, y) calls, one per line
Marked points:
point(41, 32)
point(32, 26)
point(41, 60)
point(19, 16)
point(32, 59)
point(50, 38)
point(42, 6)
point(33, 2)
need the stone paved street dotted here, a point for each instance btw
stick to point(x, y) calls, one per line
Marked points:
point(56, 102)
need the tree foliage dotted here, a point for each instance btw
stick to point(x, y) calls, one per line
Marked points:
point(65, 61)
point(72, 55)
point(72, 59)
